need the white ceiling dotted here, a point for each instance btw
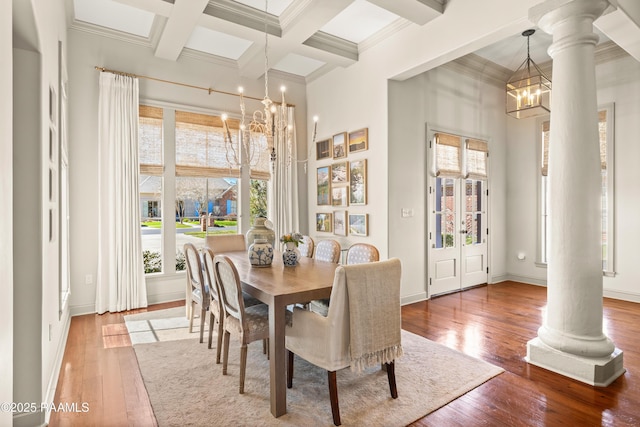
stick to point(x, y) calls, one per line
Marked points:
point(306, 37)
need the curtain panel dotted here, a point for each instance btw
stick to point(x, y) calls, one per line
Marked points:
point(120, 283)
point(283, 186)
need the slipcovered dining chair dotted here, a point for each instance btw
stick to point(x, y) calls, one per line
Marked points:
point(358, 253)
point(225, 242)
point(248, 323)
point(362, 328)
point(197, 289)
point(306, 247)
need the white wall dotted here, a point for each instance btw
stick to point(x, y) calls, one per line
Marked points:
point(6, 215)
point(444, 100)
point(619, 83)
point(87, 51)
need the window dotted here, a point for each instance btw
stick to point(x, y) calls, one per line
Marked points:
point(187, 166)
point(605, 128)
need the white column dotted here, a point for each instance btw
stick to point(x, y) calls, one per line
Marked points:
point(571, 340)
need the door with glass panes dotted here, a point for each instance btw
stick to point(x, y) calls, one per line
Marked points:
point(458, 230)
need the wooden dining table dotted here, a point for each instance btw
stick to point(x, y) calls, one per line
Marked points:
point(279, 286)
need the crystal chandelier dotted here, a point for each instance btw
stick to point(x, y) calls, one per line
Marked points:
point(528, 89)
point(268, 125)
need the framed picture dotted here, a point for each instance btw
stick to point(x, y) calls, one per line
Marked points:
point(358, 140)
point(323, 222)
point(340, 145)
point(323, 149)
point(340, 196)
point(340, 223)
point(340, 173)
point(358, 182)
point(323, 185)
point(358, 224)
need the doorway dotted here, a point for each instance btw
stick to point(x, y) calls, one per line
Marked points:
point(458, 216)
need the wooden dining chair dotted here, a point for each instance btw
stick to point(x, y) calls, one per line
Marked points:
point(197, 288)
point(306, 247)
point(327, 250)
point(361, 330)
point(248, 323)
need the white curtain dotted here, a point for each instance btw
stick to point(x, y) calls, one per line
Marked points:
point(120, 283)
point(283, 187)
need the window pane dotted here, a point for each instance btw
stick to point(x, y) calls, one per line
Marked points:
point(445, 213)
point(258, 199)
point(204, 206)
point(150, 209)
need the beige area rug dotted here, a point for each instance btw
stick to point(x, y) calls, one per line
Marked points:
point(186, 387)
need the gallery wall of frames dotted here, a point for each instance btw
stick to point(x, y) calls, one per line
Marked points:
point(341, 182)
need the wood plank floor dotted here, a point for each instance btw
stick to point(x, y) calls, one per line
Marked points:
point(491, 322)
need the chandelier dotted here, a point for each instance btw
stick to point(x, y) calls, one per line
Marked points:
point(259, 135)
point(528, 89)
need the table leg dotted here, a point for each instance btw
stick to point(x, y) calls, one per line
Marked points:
point(277, 359)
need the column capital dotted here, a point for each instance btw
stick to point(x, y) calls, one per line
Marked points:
point(551, 12)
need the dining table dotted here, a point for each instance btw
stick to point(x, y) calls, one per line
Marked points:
point(280, 286)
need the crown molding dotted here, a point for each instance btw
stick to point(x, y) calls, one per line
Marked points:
point(112, 34)
point(388, 31)
point(333, 44)
point(243, 15)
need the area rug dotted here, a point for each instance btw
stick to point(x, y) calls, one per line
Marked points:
point(186, 387)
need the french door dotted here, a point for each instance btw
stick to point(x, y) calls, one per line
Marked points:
point(457, 226)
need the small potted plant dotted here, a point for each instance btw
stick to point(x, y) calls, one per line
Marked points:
point(291, 254)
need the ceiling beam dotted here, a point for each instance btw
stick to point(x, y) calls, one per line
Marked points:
point(182, 20)
point(417, 11)
point(303, 18)
point(622, 25)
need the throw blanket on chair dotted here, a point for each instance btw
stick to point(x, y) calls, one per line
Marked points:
point(374, 312)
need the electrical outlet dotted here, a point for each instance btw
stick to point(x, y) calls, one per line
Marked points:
point(88, 279)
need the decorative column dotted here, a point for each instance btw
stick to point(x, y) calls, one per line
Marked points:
point(571, 341)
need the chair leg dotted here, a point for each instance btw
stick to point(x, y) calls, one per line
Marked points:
point(333, 395)
point(220, 334)
point(290, 369)
point(211, 322)
point(203, 313)
point(243, 366)
point(391, 375)
point(225, 357)
point(191, 318)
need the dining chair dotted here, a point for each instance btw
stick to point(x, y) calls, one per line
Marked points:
point(306, 247)
point(248, 323)
point(327, 250)
point(197, 289)
point(225, 242)
point(358, 253)
point(361, 330)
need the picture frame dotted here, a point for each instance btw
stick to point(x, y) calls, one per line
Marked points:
point(340, 196)
point(359, 224)
point(340, 145)
point(324, 222)
point(358, 182)
point(359, 140)
point(340, 223)
point(340, 173)
point(323, 185)
point(323, 149)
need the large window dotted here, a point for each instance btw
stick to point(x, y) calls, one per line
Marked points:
point(188, 167)
point(605, 128)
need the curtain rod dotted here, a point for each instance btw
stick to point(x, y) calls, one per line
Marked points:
point(208, 89)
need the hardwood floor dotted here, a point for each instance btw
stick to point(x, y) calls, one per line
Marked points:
point(491, 322)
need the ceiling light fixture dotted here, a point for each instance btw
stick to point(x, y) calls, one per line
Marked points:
point(528, 89)
point(268, 125)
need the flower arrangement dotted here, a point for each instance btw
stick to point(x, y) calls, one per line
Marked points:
point(291, 238)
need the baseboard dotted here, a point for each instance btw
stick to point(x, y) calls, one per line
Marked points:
point(522, 279)
point(78, 310)
point(410, 299)
point(622, 295)
point(165, 297)
point(57, 366)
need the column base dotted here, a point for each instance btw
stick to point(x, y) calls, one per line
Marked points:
point(599, 372)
